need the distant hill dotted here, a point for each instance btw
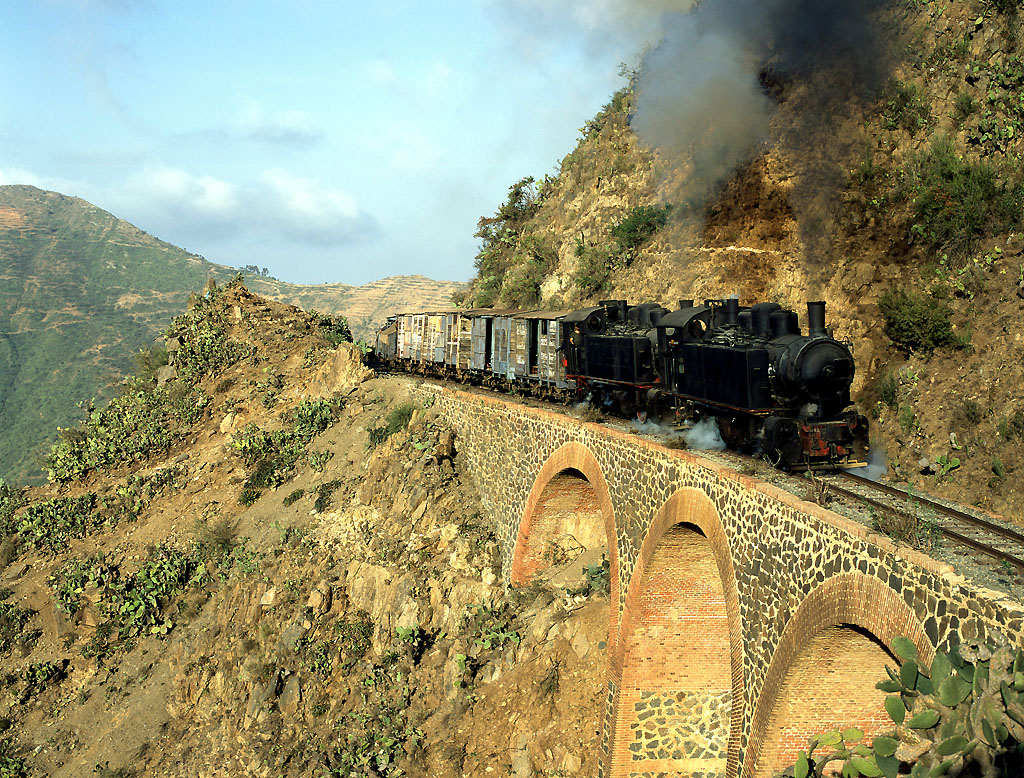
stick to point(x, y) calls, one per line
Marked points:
point(81, 291)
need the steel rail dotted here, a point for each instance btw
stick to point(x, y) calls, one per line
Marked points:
point(938, 507)
point(950, 533)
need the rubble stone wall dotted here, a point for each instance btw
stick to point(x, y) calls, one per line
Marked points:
point(788, 569)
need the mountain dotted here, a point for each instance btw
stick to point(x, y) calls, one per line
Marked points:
point(882, 176)
point(292, 578)
point(82, 291)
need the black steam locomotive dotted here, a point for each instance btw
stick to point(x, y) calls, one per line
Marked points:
point(771, 388)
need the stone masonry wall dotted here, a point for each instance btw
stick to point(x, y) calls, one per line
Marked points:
point(798, 568)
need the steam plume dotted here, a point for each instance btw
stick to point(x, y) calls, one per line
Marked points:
point(701, 92)
point(705, 436)
point(878, 463)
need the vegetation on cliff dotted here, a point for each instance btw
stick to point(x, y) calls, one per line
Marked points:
point(296, 578)
point(82, 291)
point(901, 207)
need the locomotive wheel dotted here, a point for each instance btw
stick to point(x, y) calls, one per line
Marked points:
point(735, 432)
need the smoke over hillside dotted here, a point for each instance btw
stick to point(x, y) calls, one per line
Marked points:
point(701, 88)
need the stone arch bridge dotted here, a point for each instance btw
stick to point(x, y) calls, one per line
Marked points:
point(742, 618)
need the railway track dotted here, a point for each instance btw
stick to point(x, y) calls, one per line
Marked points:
point(995, 540)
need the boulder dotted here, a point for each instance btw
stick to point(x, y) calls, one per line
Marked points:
point(165, 374)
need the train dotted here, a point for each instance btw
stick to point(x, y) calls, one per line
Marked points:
point(773, 389)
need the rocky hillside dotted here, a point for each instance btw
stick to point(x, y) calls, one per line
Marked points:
point(893, 192)
point(269, 562)
point(81, 291)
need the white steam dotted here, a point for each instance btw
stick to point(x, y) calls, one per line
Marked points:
point(704, 435)
point(878, 464)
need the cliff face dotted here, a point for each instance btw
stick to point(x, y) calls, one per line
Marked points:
point(296, 580)
point(849, 193)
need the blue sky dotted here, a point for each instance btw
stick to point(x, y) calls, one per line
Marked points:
point(326, 140)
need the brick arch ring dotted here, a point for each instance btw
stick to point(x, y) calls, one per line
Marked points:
point(576, 456)
point(692, 506)
point(848, 598)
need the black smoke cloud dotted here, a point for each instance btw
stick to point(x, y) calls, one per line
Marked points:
point(701, 93)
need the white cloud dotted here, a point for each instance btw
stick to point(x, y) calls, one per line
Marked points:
point(11, 175)
point(381, 71)
point(407, 148)
point(309, 211)
point(276, 205)
point(538, 26)
point(197, 199)
point(290, 128)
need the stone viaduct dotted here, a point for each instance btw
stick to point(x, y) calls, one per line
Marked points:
point(742, 620)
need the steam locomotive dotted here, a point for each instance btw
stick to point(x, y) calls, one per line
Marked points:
point(771, 388)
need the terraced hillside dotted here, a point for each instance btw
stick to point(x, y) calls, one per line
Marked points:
point(82, 291)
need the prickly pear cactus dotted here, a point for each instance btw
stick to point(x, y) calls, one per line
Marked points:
point(962, 716)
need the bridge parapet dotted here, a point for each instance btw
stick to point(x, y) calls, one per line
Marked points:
point(726, 590)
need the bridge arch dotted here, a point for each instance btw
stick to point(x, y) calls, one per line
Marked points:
point(678, 698)
point(570, 496)
point(823, 673)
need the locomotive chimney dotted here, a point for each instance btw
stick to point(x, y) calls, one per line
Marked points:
point(686, 303)
point(732, 312)
point(761, 313)
point(816, 319)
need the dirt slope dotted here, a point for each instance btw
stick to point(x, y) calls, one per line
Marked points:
point(915, 186)
point(347, 621)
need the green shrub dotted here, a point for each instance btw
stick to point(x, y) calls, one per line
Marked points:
point(593, 272)
point(965, 106)
point(998, 467)
point(599, 577)
point(11, 765)
point(311, 417)
point(619, 106)
point(334, 328)
point(502, 239)
point(1012, 426)
point(148, 361)
point(206, 350)
point(639, 225)
point(134, 426)
point(51, 524)
point(957, 202)
point(961, 715)
point(888, 390)
point(907, 418)
point(13, 620)
point(294, 497)
point(324, 493)
point(397, 419)
point(521, 288)
point(907, 108)
point(916, 322)
point(37, 676)
point(271, 455)
point(971, 411)
point(1007, 7)
point(354, 637)
point(492, 627)
point(134, 604)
